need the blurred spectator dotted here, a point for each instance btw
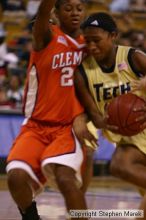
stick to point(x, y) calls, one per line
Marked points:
point(137, 39)
point(125, 21)
point(124, 38)
point(32, 7)
point(3, 52)
point(3, 96)
point(8, 60)
point(1, 12)
point(134, 38)
point(23, 37)
point(138, 5)
point(119, 5)
point(3, 4)
point(25, 53)
point(144, 42)
point(124, 41)
point(15, 91)
point(21, 46)
point(15, 5)
point(11, 60)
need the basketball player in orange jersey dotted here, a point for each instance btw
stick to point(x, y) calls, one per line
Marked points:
point(107, 72)
point(46, 148)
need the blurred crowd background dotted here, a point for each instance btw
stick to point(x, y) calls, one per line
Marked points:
point(16, 39)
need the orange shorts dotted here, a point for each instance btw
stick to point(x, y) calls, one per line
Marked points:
point(39, 144)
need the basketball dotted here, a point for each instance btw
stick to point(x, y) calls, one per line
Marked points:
point(121, 114)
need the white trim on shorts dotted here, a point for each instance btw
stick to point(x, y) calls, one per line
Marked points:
point(24, 166)
point(73, 160)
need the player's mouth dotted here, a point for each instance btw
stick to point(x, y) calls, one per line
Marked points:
point(95, 54)
point(75, 21)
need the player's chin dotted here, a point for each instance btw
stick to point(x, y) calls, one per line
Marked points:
point(97, 57)
point(75, 25)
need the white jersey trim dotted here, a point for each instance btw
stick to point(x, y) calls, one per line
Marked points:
point(22, 165)
point(75, 42)
point(32, 92)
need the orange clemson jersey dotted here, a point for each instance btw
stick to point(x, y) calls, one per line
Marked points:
point(50, 94)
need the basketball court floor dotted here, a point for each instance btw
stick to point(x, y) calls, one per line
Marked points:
point(104, 193)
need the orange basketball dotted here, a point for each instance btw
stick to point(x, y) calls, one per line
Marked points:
point(121, 114)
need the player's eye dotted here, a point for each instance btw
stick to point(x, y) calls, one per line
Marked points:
point(68, 8)
point(80, 8)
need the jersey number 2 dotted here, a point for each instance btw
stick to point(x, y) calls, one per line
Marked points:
point(67, 76)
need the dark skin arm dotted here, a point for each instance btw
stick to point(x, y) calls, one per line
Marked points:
point(139, 60)
point(42, 34)
point(87, 101)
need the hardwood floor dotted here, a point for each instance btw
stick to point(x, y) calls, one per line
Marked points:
point(104, 193)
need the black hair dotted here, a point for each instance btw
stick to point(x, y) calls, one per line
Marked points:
point(59, 2)
point(102, 20)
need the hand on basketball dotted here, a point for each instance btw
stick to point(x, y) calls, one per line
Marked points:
point(102, 123)
point(106, 125)
point(127, 112)
point(142, 117)
point(110, 127)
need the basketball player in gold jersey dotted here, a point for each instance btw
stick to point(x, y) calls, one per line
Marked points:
point(106, 73)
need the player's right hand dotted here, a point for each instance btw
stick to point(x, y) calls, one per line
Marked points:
point(110, 127)
point(142, 118)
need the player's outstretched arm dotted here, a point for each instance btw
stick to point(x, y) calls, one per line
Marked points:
point(42, 34)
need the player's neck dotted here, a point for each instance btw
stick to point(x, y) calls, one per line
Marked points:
point(73, 34)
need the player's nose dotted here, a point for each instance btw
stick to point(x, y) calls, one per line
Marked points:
point(92, 47)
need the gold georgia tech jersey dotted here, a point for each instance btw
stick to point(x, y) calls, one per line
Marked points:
point(104, 85)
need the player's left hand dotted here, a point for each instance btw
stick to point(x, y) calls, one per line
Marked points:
point(82, 132)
